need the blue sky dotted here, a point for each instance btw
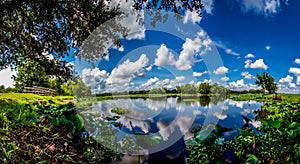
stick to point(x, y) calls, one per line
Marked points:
point(230, 44)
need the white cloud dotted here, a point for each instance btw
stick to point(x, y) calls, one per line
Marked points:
point(95, 78)
point(6, 77)
point(261, 7)
point(225, 78)
point(226, 49)
point(127, 70)
point(249, 56)
point(149, 83)
point(208, 5)
point(247, 75)
point(186, 57)
point(198, 74)
point(191, 16)
point(297, 61)
point(192, 47)
point(287, 79)
point(295, 71)
point(164, 57)
point(292, 85)
point(149, 68)
point(180, 78)
point(204, 81)
point(221, 70)
point(240, 85)
point(268, 48)
point(220, 115)
point(137, 30)
point(256, 65)
point(192, 82)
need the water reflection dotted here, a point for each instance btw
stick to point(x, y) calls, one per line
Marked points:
point(160, 126)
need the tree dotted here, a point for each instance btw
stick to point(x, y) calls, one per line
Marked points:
point(266, 81)
point(204, 88)
point(80, 90)
point(32, 29)
point(68, 88)
point(31, 74)
point(188, 89)
point(35, 30)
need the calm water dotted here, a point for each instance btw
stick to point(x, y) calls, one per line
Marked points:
point(161, 126)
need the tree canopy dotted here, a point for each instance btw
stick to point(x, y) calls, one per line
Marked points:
point(266, 81)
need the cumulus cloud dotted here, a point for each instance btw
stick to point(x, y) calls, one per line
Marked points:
point(208, 5)
point(186, 57)
point(296, 72)
point(297, 61)
point(198, 74)
point(127, 70)
point(6, 77)
point(249, 56)
point(190, 48)
point(164, 56)
point(240, 85)
point(95, 78)
point(150, 83)
point(247, 75)
point(191, 16)
point(137, 30)
point(220, 115)
point(261, 7)
point(225, 78)
point(287, 79)
point(221, 70)
point(258, 64)
point(204, 81)
point(292, 85)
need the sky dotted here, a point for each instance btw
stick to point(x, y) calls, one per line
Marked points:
point(232, 42)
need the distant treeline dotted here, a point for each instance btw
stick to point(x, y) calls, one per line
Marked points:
point(203, 88)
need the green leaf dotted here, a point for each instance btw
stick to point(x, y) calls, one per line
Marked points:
point(245, 133)
point(78, 121)
point(275, 124)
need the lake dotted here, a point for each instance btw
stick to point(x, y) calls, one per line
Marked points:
point(155, 129)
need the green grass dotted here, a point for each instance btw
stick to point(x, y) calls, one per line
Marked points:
point(26, 97)
point(45, 131)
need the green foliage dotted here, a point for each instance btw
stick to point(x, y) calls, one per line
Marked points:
point(39, 133)
point(266, 81)
point(207, 146)
point(6, 90)
point(188, 89)
point(204, 88)
point(31, 74)
point(80, 90)
point(278, 141)
point(219, 90)
point(120, 111)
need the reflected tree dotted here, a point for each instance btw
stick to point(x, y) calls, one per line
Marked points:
point(204, 101)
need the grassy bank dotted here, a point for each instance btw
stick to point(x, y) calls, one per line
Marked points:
point(42, 129)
